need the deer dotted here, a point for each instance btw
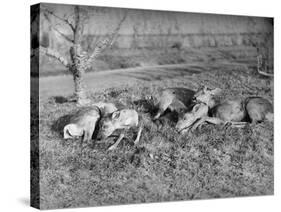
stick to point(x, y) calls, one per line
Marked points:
point(84, 121)
point(259, 109)
point(175, 99)
point(105, 107)
point(252, 109)
point(204, 100)
point(237, 112)
point(123, 120)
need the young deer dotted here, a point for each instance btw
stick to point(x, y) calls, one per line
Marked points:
point(84, 121)
point(234, 111)
point(175, 99)
point(105, 108)
point(204, 99)
point(259, 109)
point(121, 119)
point(187, 121)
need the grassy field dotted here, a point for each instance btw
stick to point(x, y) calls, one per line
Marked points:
point(212, 162)
point(143, 57)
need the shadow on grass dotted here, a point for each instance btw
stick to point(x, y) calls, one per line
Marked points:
point(59, 124)
point(145, 106)
point(60, 99)
point(137, 157)
point(168, 118)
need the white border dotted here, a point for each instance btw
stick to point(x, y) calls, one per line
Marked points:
point(14, 50)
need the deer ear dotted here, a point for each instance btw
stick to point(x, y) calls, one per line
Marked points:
point(196, 107)
point(115, 115)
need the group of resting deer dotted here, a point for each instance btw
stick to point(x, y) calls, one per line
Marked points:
point(193, 108)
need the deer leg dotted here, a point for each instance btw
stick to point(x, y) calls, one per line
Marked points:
point(198, 123)
point(214, 120)
point(87, 136)
point(138, 136)
point(159, 113)
point(161, 109)
point(211, 120)
point(88, 133)
point(114, 146)
point(238, 124)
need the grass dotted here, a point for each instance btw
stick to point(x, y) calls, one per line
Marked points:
point(128, 58)
point(213, 162)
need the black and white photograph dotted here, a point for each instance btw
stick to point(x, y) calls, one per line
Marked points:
point(141, 106)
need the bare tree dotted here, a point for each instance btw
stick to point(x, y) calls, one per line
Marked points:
point(80, 60)
point(263, 44)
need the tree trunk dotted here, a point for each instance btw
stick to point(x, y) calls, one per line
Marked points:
point(79, 89)
point(78, 68)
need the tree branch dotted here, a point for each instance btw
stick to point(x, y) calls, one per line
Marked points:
point(259, 65)
point(63, 35)
point(54, 54)
point(265, 73)
point(60, 18)
point(58, 31)
point(102, 45)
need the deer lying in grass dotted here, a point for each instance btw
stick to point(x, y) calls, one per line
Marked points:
point(175, 99)
point(235, 112)
point(204, 99)
point(238, 112)
point(84, 121)
point(120, 120)
point(105, 108)
point(259, 109)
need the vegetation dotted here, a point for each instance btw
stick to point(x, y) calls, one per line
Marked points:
point(80, 60)
point(128, 58)
point(264, 45)
point(212, 162)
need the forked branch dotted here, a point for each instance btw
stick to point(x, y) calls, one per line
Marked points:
point(66, 37)
point(66, 21)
